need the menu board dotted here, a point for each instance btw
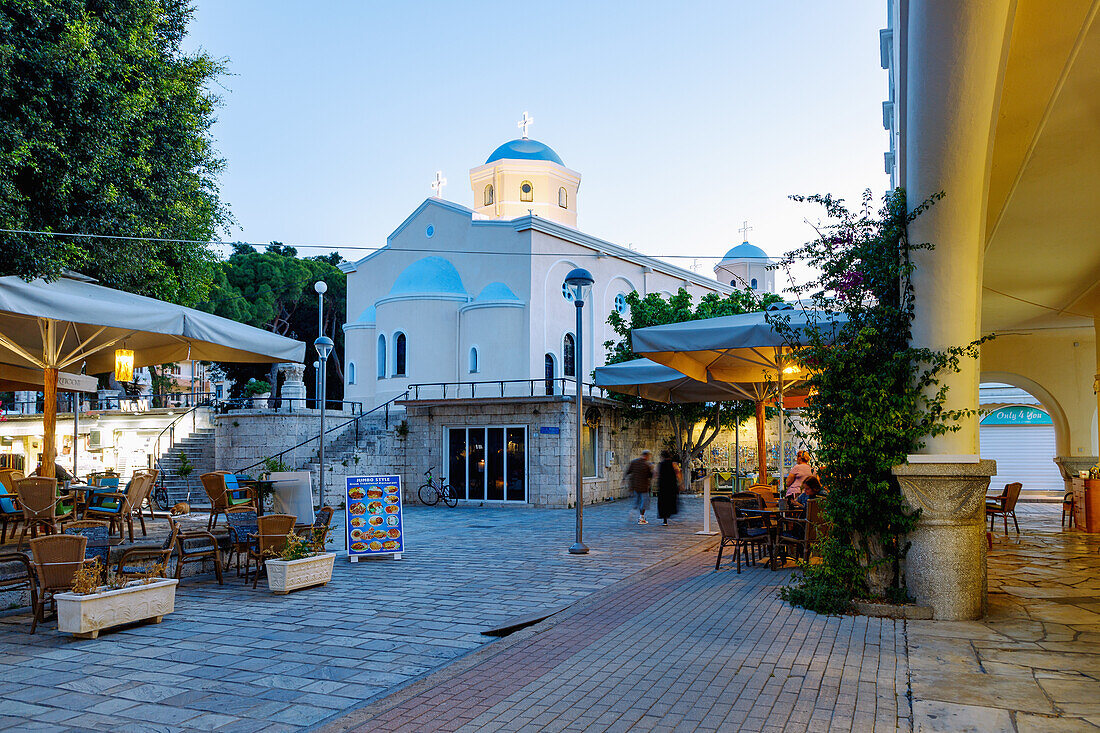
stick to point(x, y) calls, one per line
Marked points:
point(375, 525)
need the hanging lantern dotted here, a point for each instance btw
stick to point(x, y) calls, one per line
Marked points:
point(124, 365)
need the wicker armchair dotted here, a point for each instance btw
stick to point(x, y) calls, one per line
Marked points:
point(766, 494)
point(243, 528)
point(137, 560)
point(736, 531)
point(197, 545)
point(118, 507)
point(321, 518)
point(224, 492)
point(17, 571)
point(98, 535)
point(9, 504)
point(270, 540)
point(41, 506)
point(56, 560)
point(1004, 505)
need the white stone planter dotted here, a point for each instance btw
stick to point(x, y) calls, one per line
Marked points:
point(259, 401)
point(284, 576)
point(86, 616)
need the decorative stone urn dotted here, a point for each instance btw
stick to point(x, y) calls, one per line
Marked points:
point(260, 401)
point(85, 616)
point(284, 576)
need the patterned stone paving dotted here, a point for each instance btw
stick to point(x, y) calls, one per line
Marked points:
point(1033, 664)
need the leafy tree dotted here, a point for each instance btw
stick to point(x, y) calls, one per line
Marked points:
point(104, 129)
point(708, 419)
point(273, 290)
point(874, 398)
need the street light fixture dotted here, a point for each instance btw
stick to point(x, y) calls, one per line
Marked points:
point(578, 284)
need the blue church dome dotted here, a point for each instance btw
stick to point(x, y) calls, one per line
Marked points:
point(496, 291)
point(429, 275)
point(525, 149)
point(368, 315)
point(746, 251)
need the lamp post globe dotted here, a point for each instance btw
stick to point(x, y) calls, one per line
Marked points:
point(578, 283)
point(321, 287)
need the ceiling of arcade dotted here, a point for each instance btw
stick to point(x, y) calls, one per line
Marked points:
point(1042, 259)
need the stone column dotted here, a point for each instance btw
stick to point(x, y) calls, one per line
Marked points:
point(945, 567)
point(953, 54)
point(293, 391)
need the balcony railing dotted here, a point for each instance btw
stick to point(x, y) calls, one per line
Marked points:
point(497, 388)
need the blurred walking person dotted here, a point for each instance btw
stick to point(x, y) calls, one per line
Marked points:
point(668, 486)
point(639, 477)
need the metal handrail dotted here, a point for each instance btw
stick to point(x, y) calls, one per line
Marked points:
point(385, 407)
point(564, 386)
point(170, 426)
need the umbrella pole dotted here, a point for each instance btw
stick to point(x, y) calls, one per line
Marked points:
point(49, 421)
point(761, 447)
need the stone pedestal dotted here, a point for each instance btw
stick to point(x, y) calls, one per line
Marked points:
point(293, 392)
point(945, 565)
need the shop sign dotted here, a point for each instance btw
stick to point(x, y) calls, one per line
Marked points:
point(1017, 415)
point(375, 523)
point(549, 431)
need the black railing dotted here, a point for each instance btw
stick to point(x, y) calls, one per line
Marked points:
point(384, 408)
point(288, 404)
point(561, 386)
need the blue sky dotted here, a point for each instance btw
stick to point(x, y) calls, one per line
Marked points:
point(683, 118)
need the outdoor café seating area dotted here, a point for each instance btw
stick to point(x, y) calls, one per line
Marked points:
point(759, 524)
point(50, 530)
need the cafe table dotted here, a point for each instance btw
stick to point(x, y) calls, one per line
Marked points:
point(773, 519)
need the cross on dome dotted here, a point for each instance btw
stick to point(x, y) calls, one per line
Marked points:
point(438, 184)
point(525, 123)
point(745, 229)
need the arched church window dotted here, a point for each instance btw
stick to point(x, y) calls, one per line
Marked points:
point(753, 283)
point(381, 356)
point(549, 373)
point(489, 194)
point(399, 354)
point(563, 198)
point(473, 360)
point(569, 355)
point(351, 372)
point(526, 191)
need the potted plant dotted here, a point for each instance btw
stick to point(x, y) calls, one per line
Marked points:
point(259, 391)
point(302, 563)
point(267, 490)
point(97, 602)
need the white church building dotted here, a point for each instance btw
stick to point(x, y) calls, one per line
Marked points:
point(462, 320)
point(462, 295)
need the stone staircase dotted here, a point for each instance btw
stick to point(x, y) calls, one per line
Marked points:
point(199, 449)
point(373, 452)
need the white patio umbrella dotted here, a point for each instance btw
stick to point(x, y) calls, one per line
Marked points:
point(71, 321)
point(743, 349)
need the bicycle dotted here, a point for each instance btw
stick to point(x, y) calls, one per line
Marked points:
point(431, 491)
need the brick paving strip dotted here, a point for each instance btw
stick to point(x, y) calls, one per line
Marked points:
point(677, 646)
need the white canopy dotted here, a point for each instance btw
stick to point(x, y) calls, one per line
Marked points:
point(88, 321)
point(652, 381)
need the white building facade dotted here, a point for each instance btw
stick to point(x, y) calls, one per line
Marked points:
point(461, 295)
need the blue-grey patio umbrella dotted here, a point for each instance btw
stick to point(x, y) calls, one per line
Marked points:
point(745, 348)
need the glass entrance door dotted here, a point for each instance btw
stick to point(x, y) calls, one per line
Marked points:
point(488, 463)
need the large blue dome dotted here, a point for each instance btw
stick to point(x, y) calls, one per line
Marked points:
point(525, 149)
point(746, 251)
point(430, 275)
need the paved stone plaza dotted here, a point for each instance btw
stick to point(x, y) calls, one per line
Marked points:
point(654, 640)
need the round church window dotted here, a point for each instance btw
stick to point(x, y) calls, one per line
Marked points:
point(566, 292)
point(620, 303)
point(429, 231)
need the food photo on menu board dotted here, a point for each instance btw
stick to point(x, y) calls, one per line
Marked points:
point(375, 525)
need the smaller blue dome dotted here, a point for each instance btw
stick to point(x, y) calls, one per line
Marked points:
point(429, 275)
point(496, 291)
point(367, 316)
point(525, 149)
point(746, 251)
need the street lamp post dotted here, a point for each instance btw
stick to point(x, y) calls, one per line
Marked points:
point(579, 285)
point(323, 344)
point(316, 382)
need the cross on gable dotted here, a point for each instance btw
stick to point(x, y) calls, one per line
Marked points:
point(438, 184)
point(745, 229)
point(525, 123)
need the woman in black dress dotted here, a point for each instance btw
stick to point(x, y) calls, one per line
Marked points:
point(668, 486)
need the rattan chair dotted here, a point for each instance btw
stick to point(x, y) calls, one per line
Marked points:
point(10, 512)
point(243, 528)
point(197, 545)
point(117, 507)
point(737, 531)
point(56, 560)
point(766, 494)
point(1068, 506)
point(17, 571)
point(270, 540)
point(321, 518)
point(98, 536)
point(41, 506)
point(1004, 505)
point(223, 491)
point(137, 560)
